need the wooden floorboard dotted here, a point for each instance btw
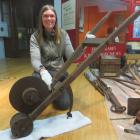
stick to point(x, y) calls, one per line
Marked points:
point(86, 100)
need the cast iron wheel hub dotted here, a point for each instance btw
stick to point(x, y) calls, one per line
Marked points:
point(27, 93)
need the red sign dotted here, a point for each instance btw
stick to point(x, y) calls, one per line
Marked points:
point(117, 50)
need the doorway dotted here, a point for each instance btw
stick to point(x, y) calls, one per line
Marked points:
point(24, 21)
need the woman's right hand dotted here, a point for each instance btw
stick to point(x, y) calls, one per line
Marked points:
point(46, 77)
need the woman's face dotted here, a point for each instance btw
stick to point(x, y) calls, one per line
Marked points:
point(48, 20)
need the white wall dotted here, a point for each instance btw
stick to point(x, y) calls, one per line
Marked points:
point(57, 6)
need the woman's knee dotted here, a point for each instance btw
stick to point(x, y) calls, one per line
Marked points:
point(65, 99)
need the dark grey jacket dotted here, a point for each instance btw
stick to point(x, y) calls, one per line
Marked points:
point(50, 55)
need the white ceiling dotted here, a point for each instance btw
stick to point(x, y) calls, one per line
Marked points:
point(106, 5)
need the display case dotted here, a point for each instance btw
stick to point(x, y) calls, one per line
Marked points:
point(134, 28)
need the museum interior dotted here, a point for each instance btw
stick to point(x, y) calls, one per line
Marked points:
point(102, 73)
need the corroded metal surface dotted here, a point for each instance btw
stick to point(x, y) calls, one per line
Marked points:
point(21, 125)
point(27, 93)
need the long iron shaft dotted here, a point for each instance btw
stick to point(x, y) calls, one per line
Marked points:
point(79, 49)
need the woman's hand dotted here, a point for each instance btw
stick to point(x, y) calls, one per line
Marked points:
point(46, 77)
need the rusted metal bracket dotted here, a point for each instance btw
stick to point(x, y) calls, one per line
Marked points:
point(133, 105)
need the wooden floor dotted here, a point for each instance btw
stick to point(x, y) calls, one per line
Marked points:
point(86, 100)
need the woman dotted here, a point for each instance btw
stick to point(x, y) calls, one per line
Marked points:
point(48, 46)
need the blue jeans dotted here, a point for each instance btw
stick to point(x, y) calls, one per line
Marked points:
point(65, 99)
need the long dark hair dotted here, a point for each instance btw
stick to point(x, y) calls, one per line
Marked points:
point(57, 37)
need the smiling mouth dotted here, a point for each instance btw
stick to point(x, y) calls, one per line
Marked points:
point(50, 23)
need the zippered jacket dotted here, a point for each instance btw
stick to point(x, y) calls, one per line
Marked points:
point(49, 54)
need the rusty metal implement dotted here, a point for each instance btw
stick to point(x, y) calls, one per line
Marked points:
point(22, 124)
point(106, 91)
point(26, 97)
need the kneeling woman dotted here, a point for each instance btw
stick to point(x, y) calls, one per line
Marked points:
point(49, 44)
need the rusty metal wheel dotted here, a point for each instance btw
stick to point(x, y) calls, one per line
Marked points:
point(21, 125)
point(27, 93)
